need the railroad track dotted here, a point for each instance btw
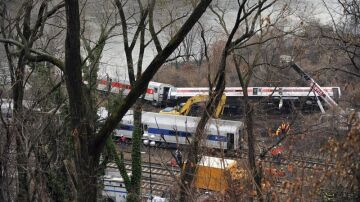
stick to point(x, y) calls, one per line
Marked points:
point(304, 161)
point(300, 161)
point(162, 176)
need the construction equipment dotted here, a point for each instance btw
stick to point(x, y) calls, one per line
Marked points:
point(192, 105)
point(315, 87)
point(212, 172)
point(343, 116)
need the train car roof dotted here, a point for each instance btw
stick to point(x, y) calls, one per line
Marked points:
point(157, 84)
point(184, 121)
point(261, 91)
point(215, 162)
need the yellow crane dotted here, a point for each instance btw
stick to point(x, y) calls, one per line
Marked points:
point(193, 104)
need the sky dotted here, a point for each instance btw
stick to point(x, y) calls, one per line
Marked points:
point(114, 61)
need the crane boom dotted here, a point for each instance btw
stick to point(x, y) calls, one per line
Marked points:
point(315, 87)
point(345, 118)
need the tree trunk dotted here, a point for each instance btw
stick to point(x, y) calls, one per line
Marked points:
point(249, 124)
point(194, 153)
point(142, 82)
point(22, 170)
point(134, 191)
point(358, 187)
point(81, 127)
point(87, 147)
point(87, 189)
point(21, 158)
point(18, 97)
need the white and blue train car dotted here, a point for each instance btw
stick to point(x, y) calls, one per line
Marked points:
point(114, 189)
point(177, 129)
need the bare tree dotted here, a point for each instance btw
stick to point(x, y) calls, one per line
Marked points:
point(133, 185)
point(247, 14)
point(87, 144)
point(345, 33)
point(87, 156)
point(28, 31)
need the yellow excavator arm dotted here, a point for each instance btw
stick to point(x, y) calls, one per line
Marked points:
point(220, 107)
point(185, 109)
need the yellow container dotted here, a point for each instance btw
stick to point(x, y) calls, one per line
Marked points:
point(211, 173)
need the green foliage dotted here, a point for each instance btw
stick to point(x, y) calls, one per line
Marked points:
point(57, 184)
point(136, 155)
point(133, 185)
point(114, 100)
point(111, 150)
point(42, 79)
point(91, 67)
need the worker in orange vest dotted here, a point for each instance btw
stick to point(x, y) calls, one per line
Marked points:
point(282, 130)
point(290, 169)
point(122, 142)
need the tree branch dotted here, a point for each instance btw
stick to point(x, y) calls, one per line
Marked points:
point(41, 56)
point(151, 27)
point(142, 82)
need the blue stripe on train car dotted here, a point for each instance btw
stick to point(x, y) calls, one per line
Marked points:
point(107, 190)
point(169, 132)
point(166, 132)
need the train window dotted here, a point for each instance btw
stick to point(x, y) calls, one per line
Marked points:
point(185, 134)
point(280, 91)
point(172, 132)
point(255, 91)
point(197, 109)
point(155, 90)
point(110, 199)
point(230, 141)
point(241, 139)
point(145, 127)
point(336, 94)
point(124, 127)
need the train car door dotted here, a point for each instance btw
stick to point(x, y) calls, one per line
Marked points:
point(230, 141)
point(155, 100)
point(165, 94)
point(336, 94)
